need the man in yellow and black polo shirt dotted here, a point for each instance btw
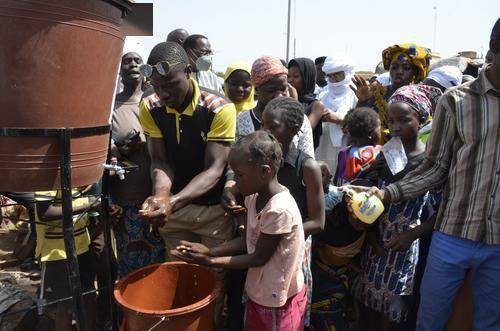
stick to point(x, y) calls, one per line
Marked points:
point(189, 131)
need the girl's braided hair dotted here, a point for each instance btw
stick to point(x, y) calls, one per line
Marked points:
point(260, 147)
point(293, 111)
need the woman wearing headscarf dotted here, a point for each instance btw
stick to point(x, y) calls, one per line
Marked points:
point(389, 281)
point(269, 77)
point(338, 100)
point(238, 86)
point(302, 76)
point(407, 64)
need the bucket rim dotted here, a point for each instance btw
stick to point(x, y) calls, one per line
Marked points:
point(168, 312)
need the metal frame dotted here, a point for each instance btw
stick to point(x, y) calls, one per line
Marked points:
point(64, 135)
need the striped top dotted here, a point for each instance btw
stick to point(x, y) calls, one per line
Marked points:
point(463, 151)
point(207, 118)
point(209, 80)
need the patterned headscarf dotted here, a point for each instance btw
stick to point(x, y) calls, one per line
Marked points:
point(418, 56)
point(266, 68)
point(421, 98)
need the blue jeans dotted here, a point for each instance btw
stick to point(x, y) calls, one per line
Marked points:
point(447, 264)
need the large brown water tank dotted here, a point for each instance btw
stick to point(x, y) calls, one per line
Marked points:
point(58, 67)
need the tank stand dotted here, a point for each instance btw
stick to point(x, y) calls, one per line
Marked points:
point(64, 136)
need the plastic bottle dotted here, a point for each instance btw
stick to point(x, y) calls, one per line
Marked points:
point(366, 208)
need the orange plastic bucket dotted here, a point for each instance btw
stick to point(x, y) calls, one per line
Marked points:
point(168, 296)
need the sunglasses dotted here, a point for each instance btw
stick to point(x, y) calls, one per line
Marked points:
point(162, 68)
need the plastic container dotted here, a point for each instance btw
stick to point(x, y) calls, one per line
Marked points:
point(173, 296)
point(58, 62)
point(366, 208)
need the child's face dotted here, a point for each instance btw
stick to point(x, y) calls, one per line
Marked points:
point(272, 121)
point(403, 121)
point(239, 86)
point(249, 178)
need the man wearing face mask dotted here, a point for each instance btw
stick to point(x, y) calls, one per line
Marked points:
point(338, 99)
point(200, 56)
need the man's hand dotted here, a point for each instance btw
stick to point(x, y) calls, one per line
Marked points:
point(381, 194)
point(401, 241)
point(130, 145)
point(156, 209)
point(133, 145)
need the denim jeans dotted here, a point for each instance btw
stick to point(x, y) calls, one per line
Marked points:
point(450, 258)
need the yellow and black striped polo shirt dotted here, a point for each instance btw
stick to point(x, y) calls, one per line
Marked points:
point(209, 117)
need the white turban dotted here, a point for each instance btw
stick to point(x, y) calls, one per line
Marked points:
point(338, 61)
point(339, 97)
point(446, 76)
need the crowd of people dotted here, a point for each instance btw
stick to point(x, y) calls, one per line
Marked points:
point(253, 173)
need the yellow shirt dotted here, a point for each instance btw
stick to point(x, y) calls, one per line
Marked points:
point(222, 128)
point(208, 118)
point(50, 239)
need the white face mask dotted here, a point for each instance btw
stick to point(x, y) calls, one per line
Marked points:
point(204, 63)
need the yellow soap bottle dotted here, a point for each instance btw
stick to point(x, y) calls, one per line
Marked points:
point(366, 208)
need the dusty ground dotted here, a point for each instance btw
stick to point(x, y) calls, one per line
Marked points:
point(23, 275)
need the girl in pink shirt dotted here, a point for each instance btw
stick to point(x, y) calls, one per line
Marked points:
point(273, 247)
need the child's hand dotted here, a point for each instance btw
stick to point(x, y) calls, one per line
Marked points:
point(229, 201)
point(182, 255)
point(192, 253)
point(191, 247)
point(401, 241)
